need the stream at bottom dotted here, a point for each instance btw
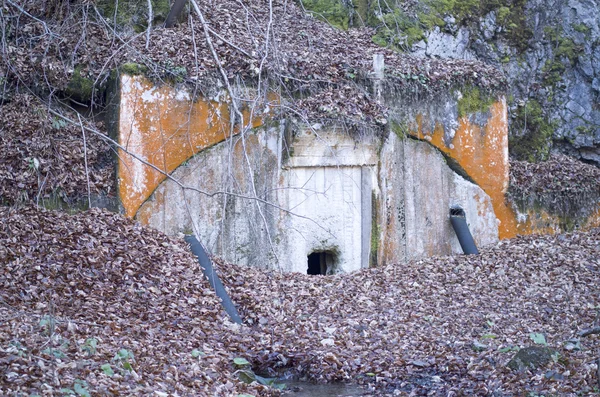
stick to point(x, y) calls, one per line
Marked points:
point(307, 389)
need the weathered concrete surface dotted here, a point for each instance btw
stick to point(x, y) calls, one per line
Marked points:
point(477, 143)
point(322, 201)
point(162, 126)
point(320, 188)
point(418, 190)
point(271, 197)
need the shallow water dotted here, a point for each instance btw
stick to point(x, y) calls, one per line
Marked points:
point(307, 389)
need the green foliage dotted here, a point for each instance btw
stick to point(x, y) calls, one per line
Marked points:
point(531, 137)
point(17, 347)
point(509, 349)
point(197, 353)
point(564, 50)
point(332, 11)
point(239, 361)
point(90, 346)
point(175, 73)
point(133, 69)
point(540, 339)
point(125, 358)
point(134, 13)
point(58, 123)
point(582, 28)
point(107, 369)
point(462, 10)
point(80, 88)
point(80, 387)
point(48, 323)
point(474, 101)
point(52, 352)
point(248, 376)
point(397, 30)
point(400, 129)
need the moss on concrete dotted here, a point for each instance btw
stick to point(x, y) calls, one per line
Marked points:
point(400, 129)
point(473, 100)
point(80, 89)
point(375, 231)
point(532, 133)
point(133, 69)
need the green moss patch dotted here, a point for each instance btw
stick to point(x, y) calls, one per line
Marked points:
point(473, 100)
point(133, 69)
point(80, 88)
point(531, 137)
point(332, 11)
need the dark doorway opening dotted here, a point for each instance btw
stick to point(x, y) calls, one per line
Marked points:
point(320, 263)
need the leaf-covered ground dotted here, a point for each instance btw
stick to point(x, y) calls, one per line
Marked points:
point(295, 52)
point(45, 158)
point(562, 185)
point(96, 303)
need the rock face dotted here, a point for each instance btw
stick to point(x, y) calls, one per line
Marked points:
point(554, 67)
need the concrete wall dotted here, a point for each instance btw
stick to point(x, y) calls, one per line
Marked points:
point(330, 195)
point(273, 196)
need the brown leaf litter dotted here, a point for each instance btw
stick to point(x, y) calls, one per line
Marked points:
point(439, 326)
point(43, 157)
point(561, 184)
point(297, 55)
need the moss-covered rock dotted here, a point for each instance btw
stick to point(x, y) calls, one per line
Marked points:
point(134, 13)
point(532, 357)
point(531, 139)
point(80, 89)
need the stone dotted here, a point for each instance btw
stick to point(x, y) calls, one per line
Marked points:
point(532, 357)
point(444, 45)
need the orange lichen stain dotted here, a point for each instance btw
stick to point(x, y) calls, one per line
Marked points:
point(163, 127)
point(482, 151)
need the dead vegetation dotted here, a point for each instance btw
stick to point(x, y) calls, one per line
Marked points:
point(78, 293)
point(44, 158)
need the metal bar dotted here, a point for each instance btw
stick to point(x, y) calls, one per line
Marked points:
point(213, 279)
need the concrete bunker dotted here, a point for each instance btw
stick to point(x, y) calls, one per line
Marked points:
point(371, 199)
point(321, 263)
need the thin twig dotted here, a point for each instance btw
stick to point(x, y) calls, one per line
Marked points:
point(87, 172)
point(149, 28)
